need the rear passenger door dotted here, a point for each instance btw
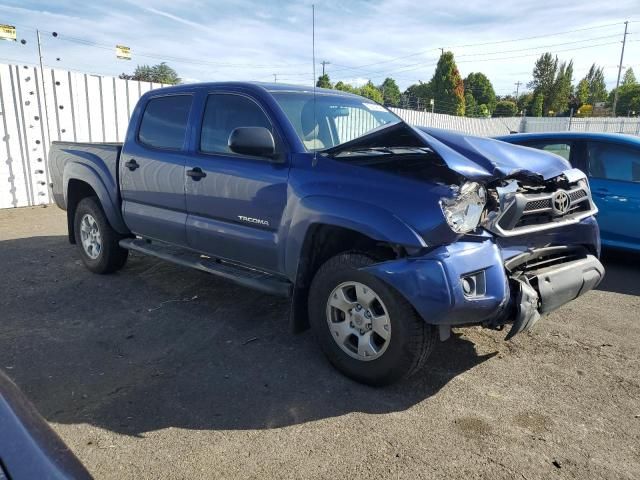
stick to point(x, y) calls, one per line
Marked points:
point(152, 169)
point(614, 172)
point(235, 206)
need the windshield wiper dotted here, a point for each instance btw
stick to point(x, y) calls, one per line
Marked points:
point(381, 151)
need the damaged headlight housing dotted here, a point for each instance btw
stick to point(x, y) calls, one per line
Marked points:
point(464, 210)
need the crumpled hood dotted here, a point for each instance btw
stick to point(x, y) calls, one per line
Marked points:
point(485, 159)
point(475, 158)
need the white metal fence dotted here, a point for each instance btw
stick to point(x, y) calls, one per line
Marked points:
point(68, 106)
point(82, 107)
point(490, 127)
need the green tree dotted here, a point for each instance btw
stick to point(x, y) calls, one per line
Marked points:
point(448, 87)
point(505, 108)
point(470, 105)
point(544, 78)
point(538, 105)
point(480, 88)
point(597, 85)
point(370, 91)
point(390, 92)
point(628, 95)
point(420, 91)
point(562, 88)
point(525, 101)
point(629, 77)
point(628, 100)
point(160, 73)
point(582, 91)
point(324, 81)
point(483, 110)
point(345, 87)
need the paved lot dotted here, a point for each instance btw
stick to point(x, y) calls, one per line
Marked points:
point(162, 372)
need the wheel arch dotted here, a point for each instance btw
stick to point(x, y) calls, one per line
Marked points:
point(81, 181)
point(323, 227)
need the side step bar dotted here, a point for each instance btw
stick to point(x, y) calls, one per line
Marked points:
point(246, 277)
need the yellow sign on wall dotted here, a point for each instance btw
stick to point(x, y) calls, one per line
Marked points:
point(7, 32)
point(123, 52)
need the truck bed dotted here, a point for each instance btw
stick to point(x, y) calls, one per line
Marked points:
point(101, 158)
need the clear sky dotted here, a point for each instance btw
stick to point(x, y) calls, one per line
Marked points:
point(255, 39)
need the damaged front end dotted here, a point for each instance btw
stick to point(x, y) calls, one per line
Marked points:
point(544, 279)
point(527, 242)
point(514, 237)
point(528, 211)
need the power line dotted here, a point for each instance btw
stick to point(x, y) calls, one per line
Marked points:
point(415, 66)
point(538, 36)
point(484, 44)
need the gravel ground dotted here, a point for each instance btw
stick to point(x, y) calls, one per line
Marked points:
point(163, 372)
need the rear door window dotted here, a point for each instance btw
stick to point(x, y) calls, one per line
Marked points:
point(164, 122)
point(614, 162)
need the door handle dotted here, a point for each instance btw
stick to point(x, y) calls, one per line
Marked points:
point(132, 164)
point(196, 174)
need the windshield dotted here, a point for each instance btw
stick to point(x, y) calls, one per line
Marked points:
point(337, 119)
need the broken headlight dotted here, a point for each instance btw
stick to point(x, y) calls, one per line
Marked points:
point(464, 210)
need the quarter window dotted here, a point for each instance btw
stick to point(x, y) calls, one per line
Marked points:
point(614, 162)
point(164, 122)
point(224, 113)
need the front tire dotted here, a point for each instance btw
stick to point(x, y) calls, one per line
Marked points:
point(367, 329)
point(97, 242)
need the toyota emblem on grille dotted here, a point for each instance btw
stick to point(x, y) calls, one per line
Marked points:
point(560, 202)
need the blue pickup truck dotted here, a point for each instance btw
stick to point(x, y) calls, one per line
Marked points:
point(384, 235)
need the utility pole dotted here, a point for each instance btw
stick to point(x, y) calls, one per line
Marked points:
point(518, 83)
point(323, 63)
point(44, 89)
point(624, 41)
point(441, 51)
point(275, 78)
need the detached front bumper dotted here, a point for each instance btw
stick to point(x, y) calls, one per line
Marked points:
point(469, 283)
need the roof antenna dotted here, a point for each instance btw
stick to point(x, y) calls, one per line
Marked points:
point(313, 54)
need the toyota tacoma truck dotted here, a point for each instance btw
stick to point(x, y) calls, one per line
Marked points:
point(384, 235)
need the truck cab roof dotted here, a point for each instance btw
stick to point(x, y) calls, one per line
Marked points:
point(254, 86)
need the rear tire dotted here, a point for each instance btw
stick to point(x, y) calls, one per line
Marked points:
point(97, 242)
point(344, 302)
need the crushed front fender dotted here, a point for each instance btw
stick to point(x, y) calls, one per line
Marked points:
point(433, 283)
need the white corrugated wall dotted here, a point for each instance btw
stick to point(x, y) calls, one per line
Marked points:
point(81, 107)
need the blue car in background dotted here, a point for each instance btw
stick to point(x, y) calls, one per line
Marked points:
point(612, 163)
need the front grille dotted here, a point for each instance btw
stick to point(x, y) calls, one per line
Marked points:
point(526, 212)
point(577, 194)
point(538, 205)
point(547, 216)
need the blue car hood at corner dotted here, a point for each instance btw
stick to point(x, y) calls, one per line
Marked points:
point(485, 159)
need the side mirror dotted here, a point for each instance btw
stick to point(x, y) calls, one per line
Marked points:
point(256, 141)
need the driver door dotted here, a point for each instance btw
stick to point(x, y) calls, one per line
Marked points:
point(235, 205)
